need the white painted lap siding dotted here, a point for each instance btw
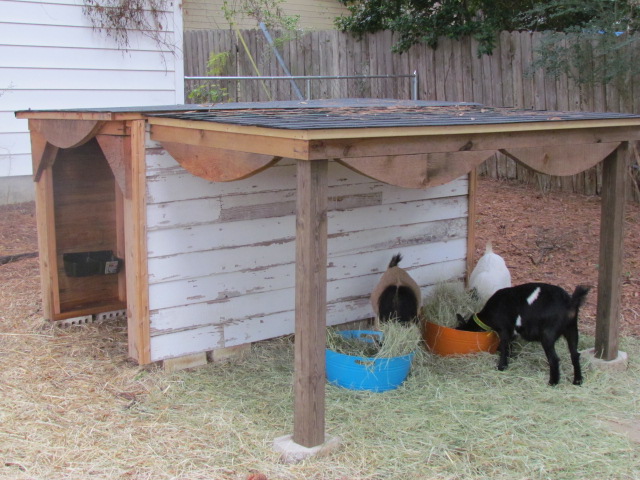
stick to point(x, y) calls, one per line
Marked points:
point(51, 58)
point(221, 255)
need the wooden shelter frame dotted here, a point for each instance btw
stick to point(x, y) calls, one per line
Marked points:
point(411, 157)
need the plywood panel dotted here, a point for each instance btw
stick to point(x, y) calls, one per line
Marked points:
point(85, 220)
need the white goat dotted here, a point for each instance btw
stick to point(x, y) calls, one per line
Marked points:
point(490, 275)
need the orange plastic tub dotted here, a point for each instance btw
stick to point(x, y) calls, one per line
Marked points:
point(449, 341)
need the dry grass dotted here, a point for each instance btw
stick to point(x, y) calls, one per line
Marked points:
point(73, 407)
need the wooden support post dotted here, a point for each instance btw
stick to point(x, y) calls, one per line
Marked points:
point(43, 156)
point(611, 248)
point(47, 251)
point(135, 231)
point(311, 303)
point(471, 220)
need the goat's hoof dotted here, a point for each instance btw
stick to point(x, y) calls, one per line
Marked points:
point(577, 381)
point(502, 367)
point(553, 383)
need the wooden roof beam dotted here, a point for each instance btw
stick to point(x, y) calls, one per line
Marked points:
point(258, 144)
point(454, 142)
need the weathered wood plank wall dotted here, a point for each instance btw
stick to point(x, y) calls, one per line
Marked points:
point(222, 255)
point(452, 72)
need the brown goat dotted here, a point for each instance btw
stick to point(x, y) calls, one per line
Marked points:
point(397, 296)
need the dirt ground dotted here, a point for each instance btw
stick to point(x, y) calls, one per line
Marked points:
point(549, 237)
point(554, 238)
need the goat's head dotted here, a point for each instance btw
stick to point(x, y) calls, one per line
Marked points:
point(468, 325)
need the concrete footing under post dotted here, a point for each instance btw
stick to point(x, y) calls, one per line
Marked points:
point(618, 364)
point(292, 452)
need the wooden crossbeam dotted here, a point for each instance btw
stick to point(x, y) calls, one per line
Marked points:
point(453, 141)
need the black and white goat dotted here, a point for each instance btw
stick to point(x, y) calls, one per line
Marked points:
point(397, 296)
point(538, 312)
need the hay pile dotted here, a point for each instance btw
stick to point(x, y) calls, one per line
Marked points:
point(447, 299)
point(397, 340)
point(73, 407)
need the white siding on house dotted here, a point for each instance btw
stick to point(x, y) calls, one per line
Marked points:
point(221, 255)
point(51, 58)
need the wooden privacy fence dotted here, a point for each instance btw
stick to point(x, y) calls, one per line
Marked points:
point(452, 72)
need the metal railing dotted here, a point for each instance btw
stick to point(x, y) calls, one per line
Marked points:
point(308, 78)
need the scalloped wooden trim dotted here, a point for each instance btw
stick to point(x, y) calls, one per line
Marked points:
point(417, 171)
point(217, 164)
point(117, 151)
point(562, 160)
point(67, 133)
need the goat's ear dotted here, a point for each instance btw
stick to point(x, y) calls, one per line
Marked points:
point(460, 319)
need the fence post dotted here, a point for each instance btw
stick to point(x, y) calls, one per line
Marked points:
point(414, 86)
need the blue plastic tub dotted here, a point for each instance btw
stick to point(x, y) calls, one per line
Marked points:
point(365, 373)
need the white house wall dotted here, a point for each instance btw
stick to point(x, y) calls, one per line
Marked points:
point(51, 58)
point(313, 14)
point(221, 255)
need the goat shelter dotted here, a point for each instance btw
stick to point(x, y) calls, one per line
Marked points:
point(214, 226)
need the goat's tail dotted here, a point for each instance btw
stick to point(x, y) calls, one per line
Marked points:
point(578, 297)
point(395, 260)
